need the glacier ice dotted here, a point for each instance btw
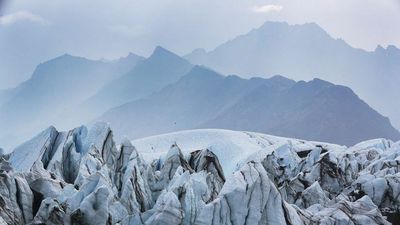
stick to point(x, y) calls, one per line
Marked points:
point(204, 177)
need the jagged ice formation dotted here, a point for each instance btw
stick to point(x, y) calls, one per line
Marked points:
point(83, 177)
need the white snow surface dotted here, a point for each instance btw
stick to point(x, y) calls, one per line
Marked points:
point(233, 148)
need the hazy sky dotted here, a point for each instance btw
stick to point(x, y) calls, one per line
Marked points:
point(33, 31)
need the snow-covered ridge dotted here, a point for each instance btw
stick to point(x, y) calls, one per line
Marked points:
point(231, 147)
point(197, 177)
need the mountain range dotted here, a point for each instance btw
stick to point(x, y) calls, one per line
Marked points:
point(152, 74)
point(315, 110)
point(165, 92)
point(53, 93)
point(306, 51)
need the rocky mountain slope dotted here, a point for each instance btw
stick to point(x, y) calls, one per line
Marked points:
point(83, 177)
point(306, 51)
point(314, 110)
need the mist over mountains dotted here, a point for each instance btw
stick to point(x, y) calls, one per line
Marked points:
point(306, 51)
point(160, 69)
point(199, 112)
point(165, 92)
point(53, 93)
point(316, 110)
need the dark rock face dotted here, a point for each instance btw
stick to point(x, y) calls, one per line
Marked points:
point(115, 185)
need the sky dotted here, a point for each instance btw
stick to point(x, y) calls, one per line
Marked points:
point(34, 31)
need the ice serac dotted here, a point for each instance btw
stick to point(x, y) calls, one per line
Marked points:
point(248, 198)
point(206, 160)
point(16, 198)
point(132, 180)
point(39, 148)
point(83, 177)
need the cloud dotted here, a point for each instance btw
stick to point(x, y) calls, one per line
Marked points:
point(19, 16)
point(267, 8)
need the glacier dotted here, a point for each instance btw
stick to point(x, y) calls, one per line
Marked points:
point(202, 177)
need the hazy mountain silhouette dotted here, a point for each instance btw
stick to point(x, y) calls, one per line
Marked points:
point(56, 87)
point(166, 93)
point(303, 52)
point(160, 69)
point(316, 110)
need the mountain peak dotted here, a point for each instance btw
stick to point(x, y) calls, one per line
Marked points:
point(281, 80)
point(203, 74)
point(320, 81)
point(60, 60)
point(311, 29)
point(161, 51)
point(130, 56)
point(65, 56)
point(390, 50)
point(203, 70)
point(274, 23)
point(393, 50)
point(379, 48)
point(314, 84)
point(392, 47)
point(161, 54)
